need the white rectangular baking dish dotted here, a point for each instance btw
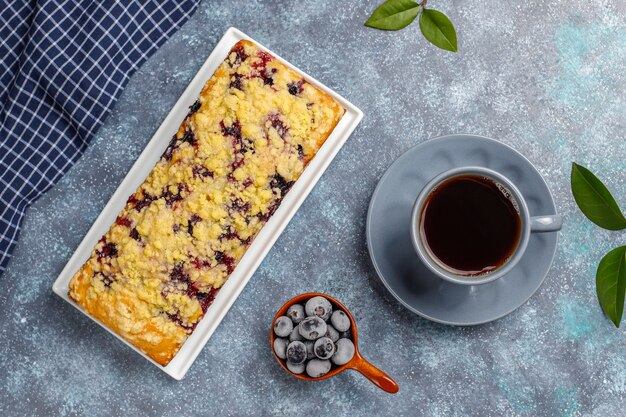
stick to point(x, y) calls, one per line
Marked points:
point(255, 254)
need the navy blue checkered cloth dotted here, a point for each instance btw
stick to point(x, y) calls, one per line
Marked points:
point(63, 65)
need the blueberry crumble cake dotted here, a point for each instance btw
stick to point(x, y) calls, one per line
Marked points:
point(247, 139)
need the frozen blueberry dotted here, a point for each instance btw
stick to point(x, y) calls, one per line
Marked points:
point(317, 367)
point(295, 334)
point(296, 312)
point(280, 347)
point(344, 351)
point(310, 354)
point(296, 352)
point(295, 368)
point(324, 348)
point(283, 326)
point(340, 320)
point(346, 335)
point(318, 306)
point(331, 333)
point(312, 328)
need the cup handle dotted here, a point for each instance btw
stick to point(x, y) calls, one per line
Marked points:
point(549, 223)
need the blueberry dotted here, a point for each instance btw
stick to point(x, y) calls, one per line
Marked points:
point(280, 347)
point(332, 333)
point(283, 326)
point(312, 328)
point(346, 335)
point(296, 312)
point(318, 306)
point(295, 334)
point(310, 354)
point(296, 352)
point(344, 351)
point(324, 348)
point(340, 320)
point(296, 369)
point(317, 367)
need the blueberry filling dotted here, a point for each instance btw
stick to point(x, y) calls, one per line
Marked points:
point(240, 55)
point(206, 299)
point(236, 81)
point(139, 204)
point(174, 144)
point(267, 76)
point(295, 87)
point(108, 250)
point(277, 124)
point(173, 197)
point(240, 144)
point(262, 71)
point(134, 234)
point(195, 107)
point(239, 206)
point(169, 151)
point(279, 182)
point(178, 274)
point(239, 160)
point(229, 234)
point(123, 221)
point(233, 130)
point(270, 211)
point(224, 259)
point(201, 171)
point(176, 319)
point(107, 280)
point(201, 263)
point(192, 221)
point(189, 137)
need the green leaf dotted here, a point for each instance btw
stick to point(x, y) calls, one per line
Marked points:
point(595, 200)
point(393, 15)
point(611, 283)
point(438, 29)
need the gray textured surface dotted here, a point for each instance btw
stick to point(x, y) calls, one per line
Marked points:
point(546, 77)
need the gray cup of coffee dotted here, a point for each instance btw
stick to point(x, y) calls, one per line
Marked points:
point(471, 225)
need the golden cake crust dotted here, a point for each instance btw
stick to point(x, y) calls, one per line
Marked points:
point(247, 139)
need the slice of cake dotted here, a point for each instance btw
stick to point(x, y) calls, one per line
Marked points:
point(154, 274)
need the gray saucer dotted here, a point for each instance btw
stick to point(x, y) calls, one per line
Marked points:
point(397, 264)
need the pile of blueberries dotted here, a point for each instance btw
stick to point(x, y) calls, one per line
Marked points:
point(313, 337)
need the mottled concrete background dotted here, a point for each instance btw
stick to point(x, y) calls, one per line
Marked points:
point(546, 77)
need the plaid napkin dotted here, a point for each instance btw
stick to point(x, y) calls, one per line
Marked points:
point(63, 65)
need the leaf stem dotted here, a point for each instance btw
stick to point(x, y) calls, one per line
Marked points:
point(423, 3)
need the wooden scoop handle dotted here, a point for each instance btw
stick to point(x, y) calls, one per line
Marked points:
point(369, 371)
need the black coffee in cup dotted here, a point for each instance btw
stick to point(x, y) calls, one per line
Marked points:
point(470, 225)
